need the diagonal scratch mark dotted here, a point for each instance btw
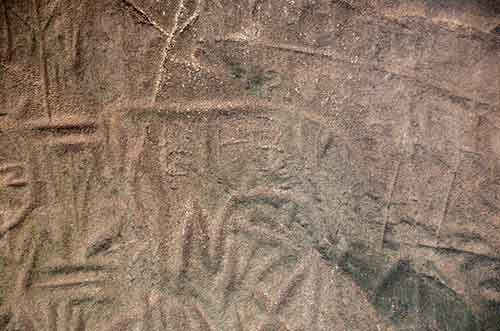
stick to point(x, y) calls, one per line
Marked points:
point(166, 48)
point(192, 18)
point(170, 36)
point(150, 21)
point(19, 17)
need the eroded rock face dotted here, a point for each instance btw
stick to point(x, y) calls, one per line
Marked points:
point(249, 165)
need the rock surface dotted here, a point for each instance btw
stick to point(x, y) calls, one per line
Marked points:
point(250, 165)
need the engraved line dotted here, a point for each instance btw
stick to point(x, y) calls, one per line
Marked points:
point(248, 259)
point(315, 294)
point(192, 18)
point(448, 197)
point(52, 165)
point(52, 316)
point(42, 59)
point(73, 141)
point(8, 167)
point(228, 275)
point(389, 200)
point(14, 174)
point(74, 197)
point(53, 6)
point(166, 48)
point(217, 233)
point(267, 264)
point(89, 175)
point(65, 127)
point(146, 17)
point(311, 51)
point(17, 183)
point(21, 216)
point(176, 30)
point(75, 44)
point(185, 242)
point(103, 242)
point(457, 251)
point(8, 31)
point(160, 186)
point(64, 315)
point(24, 21)
point(77, 320)
point(283, 296)
point(132, 154)
point(69, 283)
point(225, 107)
point(24, 276)
point(73, 268)
point(266, 236)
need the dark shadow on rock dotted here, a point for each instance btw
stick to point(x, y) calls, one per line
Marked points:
point(410, 300)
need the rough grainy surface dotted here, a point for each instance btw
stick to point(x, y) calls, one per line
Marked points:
point(252, 165)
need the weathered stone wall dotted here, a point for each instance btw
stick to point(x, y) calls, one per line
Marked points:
point(250, 165)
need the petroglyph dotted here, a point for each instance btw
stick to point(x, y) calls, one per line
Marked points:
point(249, 165)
